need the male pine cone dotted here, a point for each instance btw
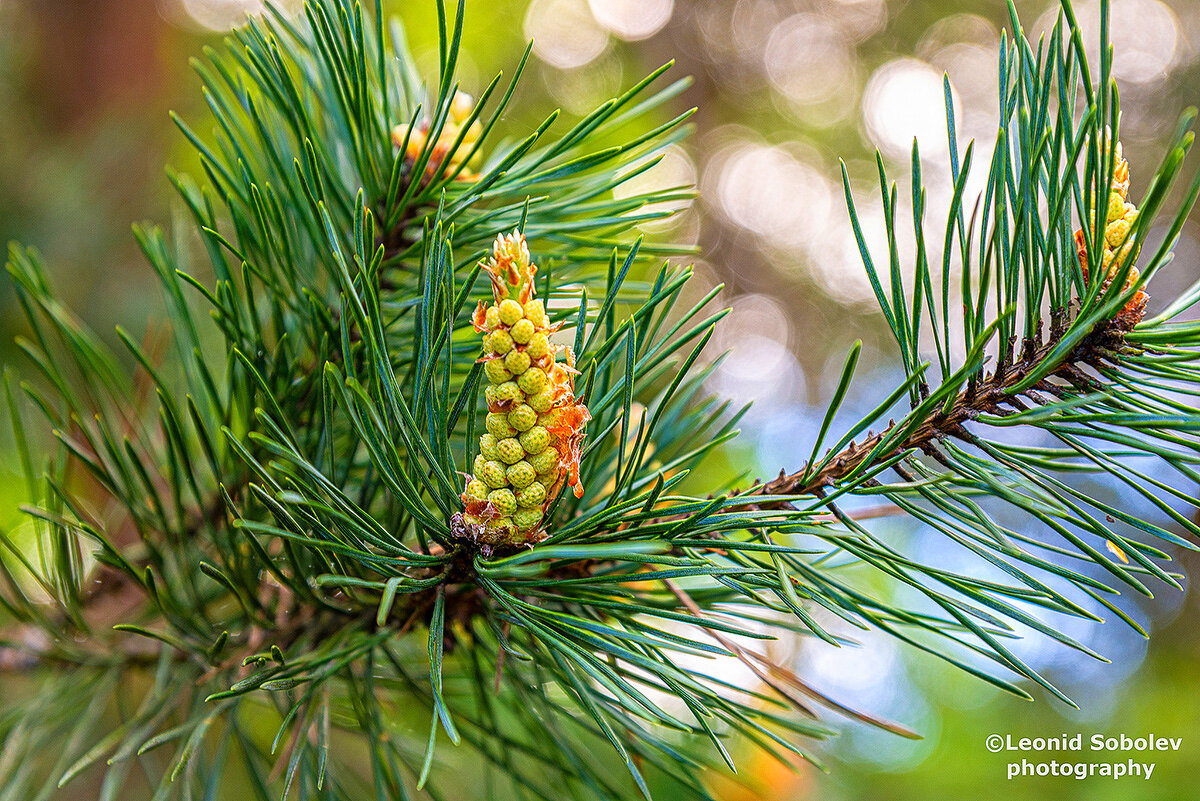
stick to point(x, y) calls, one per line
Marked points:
point(1120, 215)
point(449, 155)
point(534, 423)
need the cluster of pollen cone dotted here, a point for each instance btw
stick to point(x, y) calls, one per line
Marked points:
point(452, 147)
point(1120, 215)
point(534, 423)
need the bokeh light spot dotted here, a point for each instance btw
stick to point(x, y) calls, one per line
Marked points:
point(564, 32)
point(674, 171)
point(224, 15)
point(767, 190)
point(632, 19)
point(808, 59)
point(1145, 36)
point(761, 367)
point(904, 99)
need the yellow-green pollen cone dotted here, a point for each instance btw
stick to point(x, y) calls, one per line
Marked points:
point(1119, 217)
point(534, 424)
point(445, 157)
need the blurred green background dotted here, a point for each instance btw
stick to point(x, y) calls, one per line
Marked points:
point(784, 88)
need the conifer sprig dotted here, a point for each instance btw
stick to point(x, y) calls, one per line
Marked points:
point(287, 547)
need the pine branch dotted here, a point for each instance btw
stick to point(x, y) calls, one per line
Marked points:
point(288, 513)
point(1102, 346)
